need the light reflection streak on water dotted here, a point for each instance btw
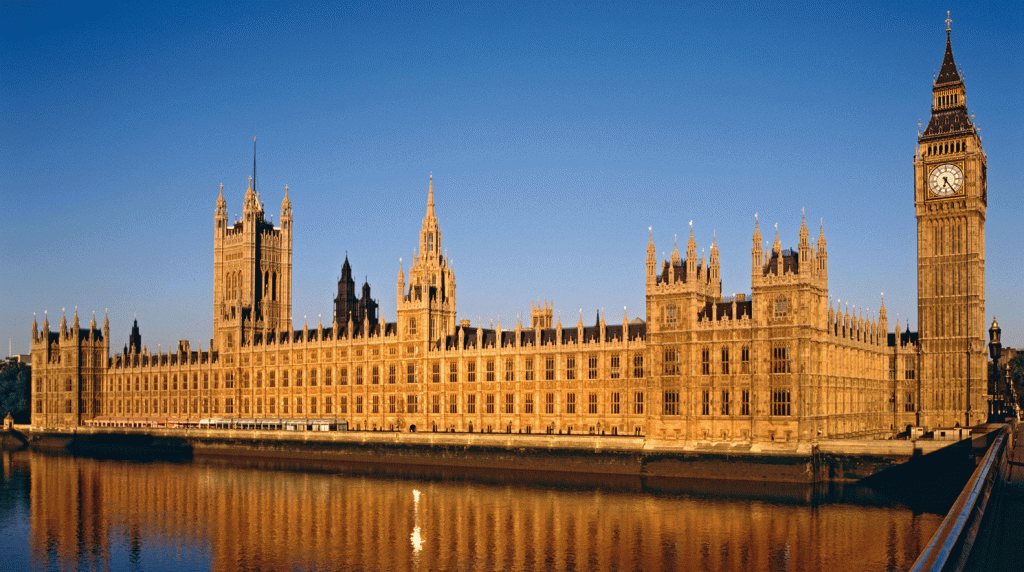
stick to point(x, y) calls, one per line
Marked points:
point(417, 540)
point(111, 515)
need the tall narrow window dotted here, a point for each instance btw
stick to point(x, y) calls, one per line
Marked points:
point(705, 361)
point(592, 367)
point(780, 359)
point(615, 403)
point(638, 403)
point(671, 362)
point(671, 403)
point(725, 361)
point(725, 402)
point(744, 359)
point(570, 368)
point(780, 402)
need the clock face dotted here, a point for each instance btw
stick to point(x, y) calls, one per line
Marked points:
point(945, 180)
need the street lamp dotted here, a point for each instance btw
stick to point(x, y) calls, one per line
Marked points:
point(995, 349)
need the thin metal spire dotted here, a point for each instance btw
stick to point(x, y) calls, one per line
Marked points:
point(254, 164)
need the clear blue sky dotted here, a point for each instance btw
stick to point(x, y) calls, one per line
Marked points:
point(557, 134)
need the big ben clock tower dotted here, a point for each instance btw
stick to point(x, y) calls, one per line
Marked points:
point(950, 200)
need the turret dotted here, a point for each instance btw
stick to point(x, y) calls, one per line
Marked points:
point(691, 255)
point(757, 251)
point(715, 269)
point(652, 260)
point(805, 244)
point(822, 253)
point(400, 286)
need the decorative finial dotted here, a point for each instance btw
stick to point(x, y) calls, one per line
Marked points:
point(691, 225)
point(948, 20)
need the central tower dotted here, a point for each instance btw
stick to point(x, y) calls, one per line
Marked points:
point(426, 309)
point(950, 199)
point(252, 271)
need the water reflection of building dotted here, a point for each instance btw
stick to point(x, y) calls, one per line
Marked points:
point(784, 363)
point(252, 518)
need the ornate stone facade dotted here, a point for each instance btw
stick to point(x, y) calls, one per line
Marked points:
point(783, 363)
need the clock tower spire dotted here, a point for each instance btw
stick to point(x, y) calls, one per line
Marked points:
point(950, 199)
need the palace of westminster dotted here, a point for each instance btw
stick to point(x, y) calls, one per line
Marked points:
point(778, 364)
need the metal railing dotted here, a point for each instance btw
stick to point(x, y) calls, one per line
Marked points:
point(951, 544)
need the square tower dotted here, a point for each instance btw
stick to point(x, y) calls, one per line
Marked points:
point(252, 271)
point(950, 199)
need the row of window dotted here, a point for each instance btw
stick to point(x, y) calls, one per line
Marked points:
point(376, 375)
point(950, 147)
point(374, 404)
point(949, 99)
point(395, 403)
point(780, 361)
point(909, 367)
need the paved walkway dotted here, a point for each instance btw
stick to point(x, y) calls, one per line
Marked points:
point(1000, 543)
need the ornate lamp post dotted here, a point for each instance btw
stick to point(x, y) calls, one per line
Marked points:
point(995, 349)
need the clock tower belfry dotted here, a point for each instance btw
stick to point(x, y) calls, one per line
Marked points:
point(950, 200)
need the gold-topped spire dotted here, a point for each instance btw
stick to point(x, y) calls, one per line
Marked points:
point(948, 20)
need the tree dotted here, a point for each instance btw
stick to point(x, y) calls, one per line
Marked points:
point(15, 387)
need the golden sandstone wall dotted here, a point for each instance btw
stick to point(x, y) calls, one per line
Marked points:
point(700, 368)
point(785, 363)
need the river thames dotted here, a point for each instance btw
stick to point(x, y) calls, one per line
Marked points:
point(59, 512)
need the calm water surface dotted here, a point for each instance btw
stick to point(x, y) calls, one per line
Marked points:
point(68, 513)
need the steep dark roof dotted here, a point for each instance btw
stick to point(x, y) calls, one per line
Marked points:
point(719, 310)
point(779, 264)
point(948, 121)
point(906, 337)
point(948, 74)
